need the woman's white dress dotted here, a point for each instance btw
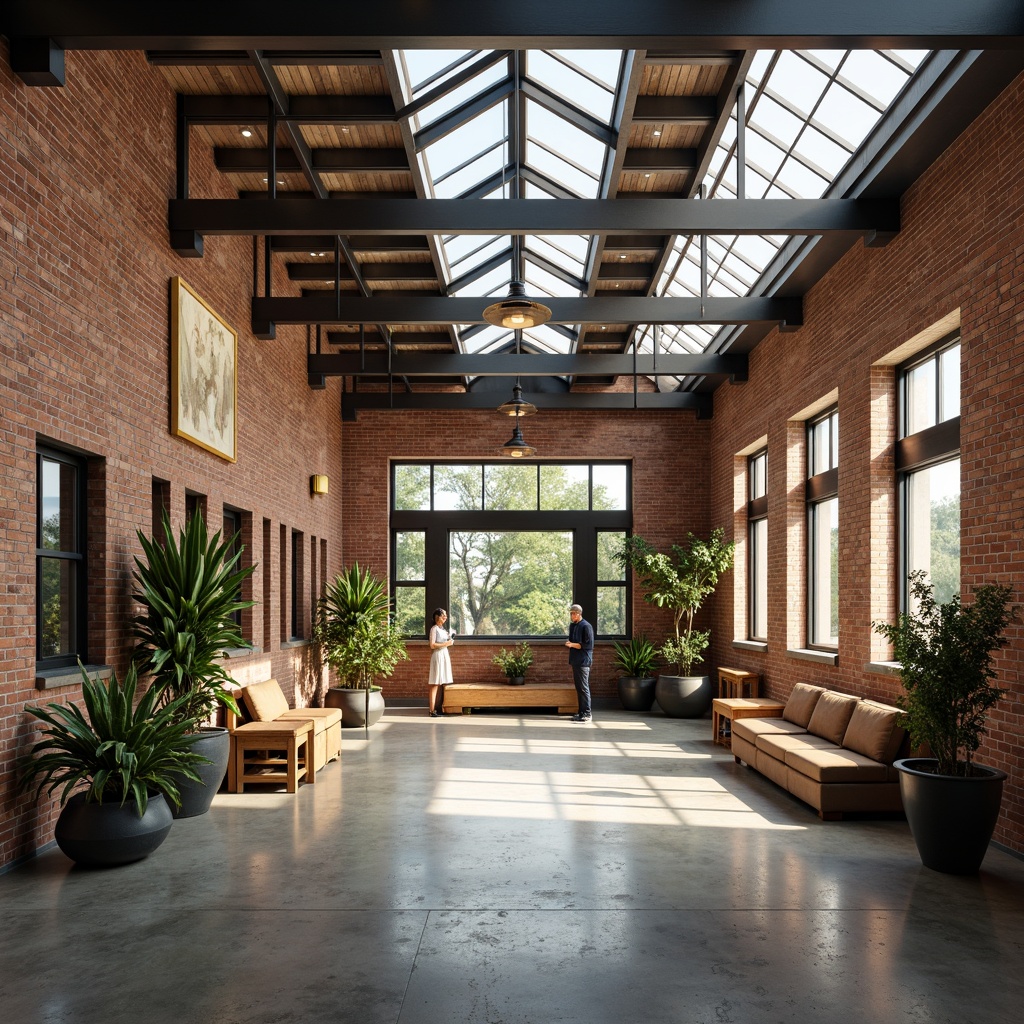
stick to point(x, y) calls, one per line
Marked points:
point(440, 662)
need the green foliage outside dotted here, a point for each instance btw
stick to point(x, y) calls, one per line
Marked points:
point(189, 589)
point(117, 750)
point(680, 582)
point(945, 654)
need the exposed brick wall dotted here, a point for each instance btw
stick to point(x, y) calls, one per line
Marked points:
point(962, 245)
point(85, 264)
point(670, 488)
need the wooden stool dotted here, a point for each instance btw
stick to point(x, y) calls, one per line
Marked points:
point(262, 741)
point(731, 708)
point(733, 681)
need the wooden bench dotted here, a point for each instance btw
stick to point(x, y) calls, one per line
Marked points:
point(462, 696)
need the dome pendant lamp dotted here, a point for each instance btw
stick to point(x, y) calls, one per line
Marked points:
point(516, 447)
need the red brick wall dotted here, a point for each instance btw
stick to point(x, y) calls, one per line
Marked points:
point(670, 488)
point(85, 175)
point(962, 245)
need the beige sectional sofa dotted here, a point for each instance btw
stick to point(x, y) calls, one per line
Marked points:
point(832, 750)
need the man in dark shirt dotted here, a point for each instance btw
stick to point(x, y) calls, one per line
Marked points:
point(581, 655)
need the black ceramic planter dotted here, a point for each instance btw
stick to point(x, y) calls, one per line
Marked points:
point(353, 706)
point(951, 818)
point(637, 692)
point(683, 696)
point(196, 797)
point(107, 834)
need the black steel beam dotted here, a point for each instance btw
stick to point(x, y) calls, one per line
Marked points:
point(702, 404)
point(457, 24)
point(692, 110)
point(400, 309)
point(659, 161)
point(370, 272)
point(301, 109)
point(279, 58)
point(509, 364)
point(324, 160)
point(534, 216)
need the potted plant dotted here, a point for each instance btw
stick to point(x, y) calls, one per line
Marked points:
point(680, 582)
point(358, 639)
point(129, 758)
point(945, 656)
point(189, 592)
point(515, 662)
point(635, 659)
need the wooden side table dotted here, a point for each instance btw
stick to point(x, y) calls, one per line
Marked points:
point(731, 708)
point(272, 752)
point(734, 682)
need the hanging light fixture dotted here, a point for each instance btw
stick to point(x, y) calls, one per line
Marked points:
point(517, 405)
point(516, 311)
point(516, 447)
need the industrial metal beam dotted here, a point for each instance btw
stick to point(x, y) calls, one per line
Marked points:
point(301, 109)
point(534, 216)
point(701, 403)
point(250, 160)
point(394, 308)
point(470, 24)
point(511, 364)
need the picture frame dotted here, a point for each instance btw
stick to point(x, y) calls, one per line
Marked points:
point(204, 374)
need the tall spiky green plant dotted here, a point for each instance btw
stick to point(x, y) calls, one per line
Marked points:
point(189, 592)
point(115, 749)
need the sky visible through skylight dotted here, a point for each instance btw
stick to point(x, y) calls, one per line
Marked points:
point(807, 113)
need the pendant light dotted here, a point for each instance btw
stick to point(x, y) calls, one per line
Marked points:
point(516, 311)
point(516, 447)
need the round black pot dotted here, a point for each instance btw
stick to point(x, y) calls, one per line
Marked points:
point(353, 706)
point(103, 835)
point(516, 680)
point(951, 818)
point(683, 696)
point(637, 692)
point(213, 742)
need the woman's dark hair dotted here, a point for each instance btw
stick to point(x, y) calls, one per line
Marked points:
point(438, 611)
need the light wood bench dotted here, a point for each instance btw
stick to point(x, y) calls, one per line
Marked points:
point(462, 696)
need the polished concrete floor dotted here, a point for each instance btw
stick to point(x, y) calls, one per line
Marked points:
point(517, 869)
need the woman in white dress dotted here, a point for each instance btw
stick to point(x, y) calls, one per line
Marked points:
point(440, 661)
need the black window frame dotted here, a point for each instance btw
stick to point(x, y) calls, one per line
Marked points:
point(584, 526)
point(757, 512)
point(819, 488)
point(78, 631)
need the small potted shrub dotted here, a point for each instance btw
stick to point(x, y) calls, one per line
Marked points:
point(945, 656)
point(358, 639)
point(635, 659)
point(515, 662)
point(681, 581)
point(117, 766)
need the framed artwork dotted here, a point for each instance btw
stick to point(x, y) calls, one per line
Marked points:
point(204, 374)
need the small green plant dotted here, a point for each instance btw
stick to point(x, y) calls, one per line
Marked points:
point(117, 750)
point(636, 657)
point(680, 582)
point(945, 655)
point(514, 663)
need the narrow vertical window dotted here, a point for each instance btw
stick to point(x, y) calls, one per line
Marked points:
point(928, 469)
point(823, 530)
point(298, 560)
point(757, 544)
point(231, 534)
point(60, 558)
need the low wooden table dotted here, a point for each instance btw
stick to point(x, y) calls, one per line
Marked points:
point(280, 751)
point(460, 696)
point(731, 708)
point(738, 682)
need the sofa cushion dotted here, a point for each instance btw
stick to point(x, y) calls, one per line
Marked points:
point(801, 703)
point(873, 731)
point(832, 715)
point(265, 700)
point(780, 745)
point(750, 728)
point(834, 764)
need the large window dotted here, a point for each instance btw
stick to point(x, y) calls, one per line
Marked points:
point(757, 544)
point(60, 558)
point(928, 465)
point(506, 548)
point(823, 530)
